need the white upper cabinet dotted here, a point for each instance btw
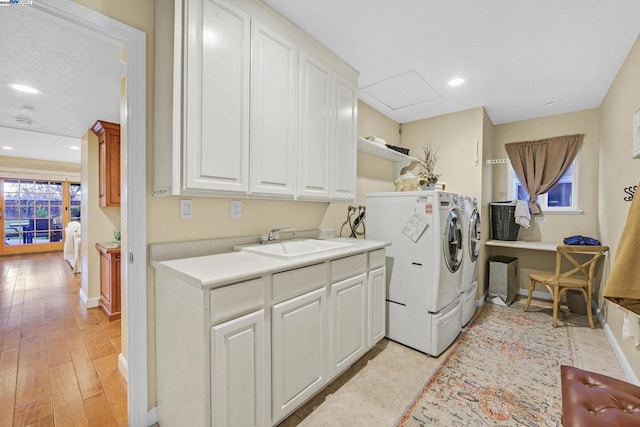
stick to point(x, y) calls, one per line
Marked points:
point(241, 111)
point(343, 167)
point(274, 78)
point(314, 140)
point(327, 150)
point(216, 135)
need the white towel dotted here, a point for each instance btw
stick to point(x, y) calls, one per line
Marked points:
point(522, 214)
point(631, 327)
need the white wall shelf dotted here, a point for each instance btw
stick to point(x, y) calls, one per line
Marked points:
point(400, 160)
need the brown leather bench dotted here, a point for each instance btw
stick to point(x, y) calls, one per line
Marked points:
point(592, 400)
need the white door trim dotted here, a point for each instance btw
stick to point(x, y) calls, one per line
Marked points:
point(134, 204)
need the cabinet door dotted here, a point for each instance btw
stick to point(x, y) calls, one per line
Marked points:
point(377, 305)
point(348, 322)
point(111, 160)
point(274, 78)
point(343, 167)
point(313, 143)
point(237, 372)
point(216, 129)
point(116, 281)
point(105, 281)
point(298, 351)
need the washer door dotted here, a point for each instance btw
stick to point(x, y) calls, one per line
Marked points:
point(452, 242)
point(474, 235)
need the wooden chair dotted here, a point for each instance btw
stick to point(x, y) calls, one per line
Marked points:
point(580, 277)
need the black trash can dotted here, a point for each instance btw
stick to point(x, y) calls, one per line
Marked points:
point(503, 280)
point(503, 221)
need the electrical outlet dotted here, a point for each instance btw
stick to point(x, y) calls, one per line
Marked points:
point(186, 209)
point(540, 219)
point(236, 209)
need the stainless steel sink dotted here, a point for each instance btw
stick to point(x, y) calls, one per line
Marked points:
point(294, 248)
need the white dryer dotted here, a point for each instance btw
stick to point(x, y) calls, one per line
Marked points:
point(423, 265)
point(471, 228)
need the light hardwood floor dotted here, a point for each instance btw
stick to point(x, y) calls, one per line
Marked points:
point(58, 359)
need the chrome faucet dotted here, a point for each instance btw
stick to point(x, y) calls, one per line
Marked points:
point(274, 234)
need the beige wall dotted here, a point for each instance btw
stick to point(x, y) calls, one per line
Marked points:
point(97, 223)
point(618, 170)
point(483, 200)
point(458, 137)
point(556, 226)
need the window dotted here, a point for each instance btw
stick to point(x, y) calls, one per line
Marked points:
point(563, 197)
point(36, 211)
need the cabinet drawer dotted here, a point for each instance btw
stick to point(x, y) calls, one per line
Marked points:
point(236, 299)
point(348, 267)
point(376, 259)
point(292, 283)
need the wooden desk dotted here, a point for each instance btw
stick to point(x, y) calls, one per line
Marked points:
point(521, 244)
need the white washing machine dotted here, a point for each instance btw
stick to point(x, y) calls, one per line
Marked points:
point(471, 228)
point(423, 265)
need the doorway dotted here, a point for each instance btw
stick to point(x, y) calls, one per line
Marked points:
point(133, 206)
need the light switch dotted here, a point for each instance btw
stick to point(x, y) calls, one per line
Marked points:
point(236, 209)
point(186, 209)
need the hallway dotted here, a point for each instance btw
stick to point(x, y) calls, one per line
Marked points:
point(58, 360)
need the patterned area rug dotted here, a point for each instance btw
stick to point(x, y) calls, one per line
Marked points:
point(505, 370)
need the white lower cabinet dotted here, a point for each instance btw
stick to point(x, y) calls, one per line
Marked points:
point(251, 352)
point(298, 349)
point(238, 372)
point(348, 322)
point(377, 305)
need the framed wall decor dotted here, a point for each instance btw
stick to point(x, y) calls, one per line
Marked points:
point(636, 135)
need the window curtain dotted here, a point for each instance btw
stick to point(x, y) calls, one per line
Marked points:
point(539, 165)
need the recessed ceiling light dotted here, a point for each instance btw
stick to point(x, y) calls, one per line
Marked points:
point(6, 147)
point(74, 147)
point(550, 103)
point(456, 82)
point(23, 88)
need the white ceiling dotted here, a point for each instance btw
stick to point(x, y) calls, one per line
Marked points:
point(515, 56)
point(78, 76)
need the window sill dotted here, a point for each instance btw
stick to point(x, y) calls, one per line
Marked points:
point(563, 212)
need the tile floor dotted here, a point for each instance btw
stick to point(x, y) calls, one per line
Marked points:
point(58, 360)
point(379, 387)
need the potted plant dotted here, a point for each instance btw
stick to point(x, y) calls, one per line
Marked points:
point(116, 236)
point(427, 162)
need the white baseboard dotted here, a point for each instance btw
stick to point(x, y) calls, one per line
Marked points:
point(624, 362)
point(88, 302)
point(536, 294)
point(123, 367)
point(152, 416)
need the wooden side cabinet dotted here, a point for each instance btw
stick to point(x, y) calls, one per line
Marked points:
point(109, 279)
point(109, 162)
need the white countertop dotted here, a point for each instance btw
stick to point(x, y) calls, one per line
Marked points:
point(222, 269)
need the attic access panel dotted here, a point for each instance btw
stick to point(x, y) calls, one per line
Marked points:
point(402, 90)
